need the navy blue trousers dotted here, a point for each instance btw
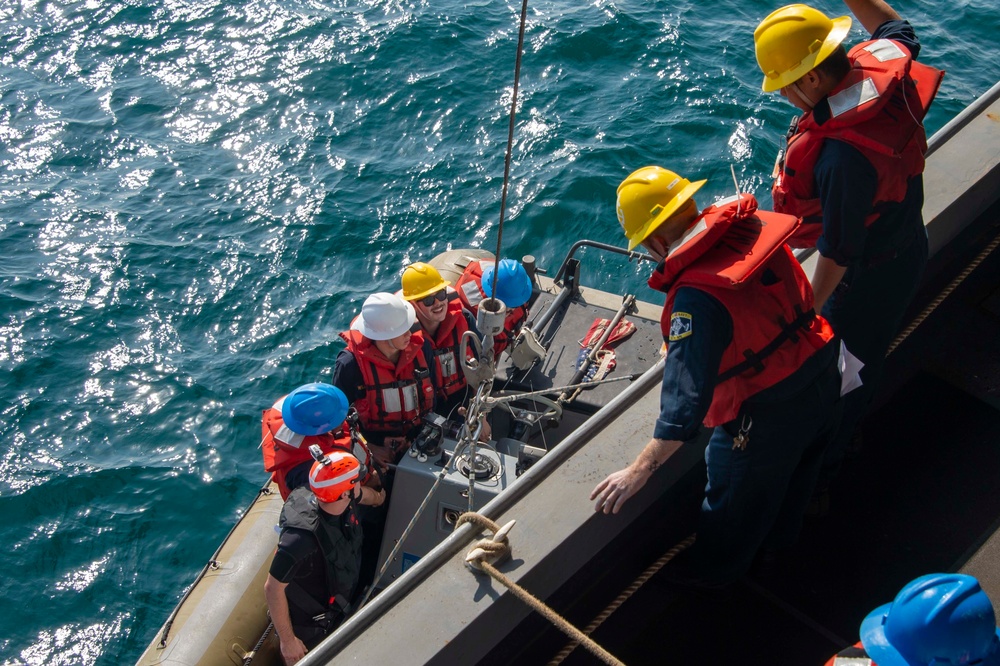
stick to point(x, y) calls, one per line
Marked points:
point(757, 495)
point(866, 311)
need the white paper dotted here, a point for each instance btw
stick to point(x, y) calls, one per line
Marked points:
point(850, 368)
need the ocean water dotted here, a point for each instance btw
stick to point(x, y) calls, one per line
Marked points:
point(196, 197)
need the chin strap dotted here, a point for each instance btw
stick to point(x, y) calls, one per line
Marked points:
point(805, 98)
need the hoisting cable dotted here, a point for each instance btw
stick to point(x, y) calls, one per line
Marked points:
point(624, 596)
point(943, 295)
point(510, 139)
point(486, 552)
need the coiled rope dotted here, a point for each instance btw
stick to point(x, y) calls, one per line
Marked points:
point(943, 295)
point(624, 596)
point(487, 551)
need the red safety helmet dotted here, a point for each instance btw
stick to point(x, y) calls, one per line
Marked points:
point(335, 474)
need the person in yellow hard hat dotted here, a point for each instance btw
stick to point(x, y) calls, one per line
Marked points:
point(443, 321)
point(746, 356)
point(852, 169)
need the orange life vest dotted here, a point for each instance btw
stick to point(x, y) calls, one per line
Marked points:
point(284, 449)
point(470, 291)
point(726, 253)
point(397, 394)
point(446, 348)
point(855, 656)
point(878, 109)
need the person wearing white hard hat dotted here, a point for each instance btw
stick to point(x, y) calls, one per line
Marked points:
point(385, 374)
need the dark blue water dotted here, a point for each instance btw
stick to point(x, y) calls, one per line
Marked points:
point(195, 197)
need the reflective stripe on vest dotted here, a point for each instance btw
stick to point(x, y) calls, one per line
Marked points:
point(470, 284)
point(864, 91)
point(473, 294)
point(445, 345)
point(396, 394)
point(877, 109)
point(852, 656)
point(284, 433)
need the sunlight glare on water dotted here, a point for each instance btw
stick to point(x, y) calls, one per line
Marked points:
point(198, 196)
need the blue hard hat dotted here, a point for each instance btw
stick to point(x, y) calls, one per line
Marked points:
point(313, 409)
point(935, 620)
point(513, 283)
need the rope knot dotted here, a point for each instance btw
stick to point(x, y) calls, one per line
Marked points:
point(492, 550)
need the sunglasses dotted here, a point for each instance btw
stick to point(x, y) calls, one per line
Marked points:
point(437, 296)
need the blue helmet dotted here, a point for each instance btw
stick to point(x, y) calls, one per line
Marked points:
point(313, 409)
point(513, 283)
point(939, 620)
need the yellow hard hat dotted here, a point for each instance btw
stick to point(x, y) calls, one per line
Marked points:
point(421, 280)
point(647, 199)
point(792, 40)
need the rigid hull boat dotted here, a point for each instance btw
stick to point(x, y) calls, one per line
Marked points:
point(433, 608)
point(222, 617)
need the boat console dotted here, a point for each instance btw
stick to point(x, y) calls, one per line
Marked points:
point(493, 467)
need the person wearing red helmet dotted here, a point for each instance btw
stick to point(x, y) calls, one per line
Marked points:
point(315, 574)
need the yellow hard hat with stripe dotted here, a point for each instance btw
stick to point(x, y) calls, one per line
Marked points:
point(793, 40)
point(647, 199)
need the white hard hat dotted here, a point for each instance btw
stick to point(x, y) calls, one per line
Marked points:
point(384, 316)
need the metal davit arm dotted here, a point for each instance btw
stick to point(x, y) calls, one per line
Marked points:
point(569, 286)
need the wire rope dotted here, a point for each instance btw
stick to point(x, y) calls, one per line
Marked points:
point(510, 140)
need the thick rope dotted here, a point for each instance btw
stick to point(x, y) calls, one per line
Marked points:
point(248, 660)
point(493, 549)
point(624, 596)
point(943, 295)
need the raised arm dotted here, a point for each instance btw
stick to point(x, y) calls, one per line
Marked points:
point(871, 13)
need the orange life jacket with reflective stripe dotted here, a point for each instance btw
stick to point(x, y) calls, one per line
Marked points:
point(739, 256)
point(852, 656)
point(397, 394)
point(446, 348)
point(284, 449)
point(878, 109)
